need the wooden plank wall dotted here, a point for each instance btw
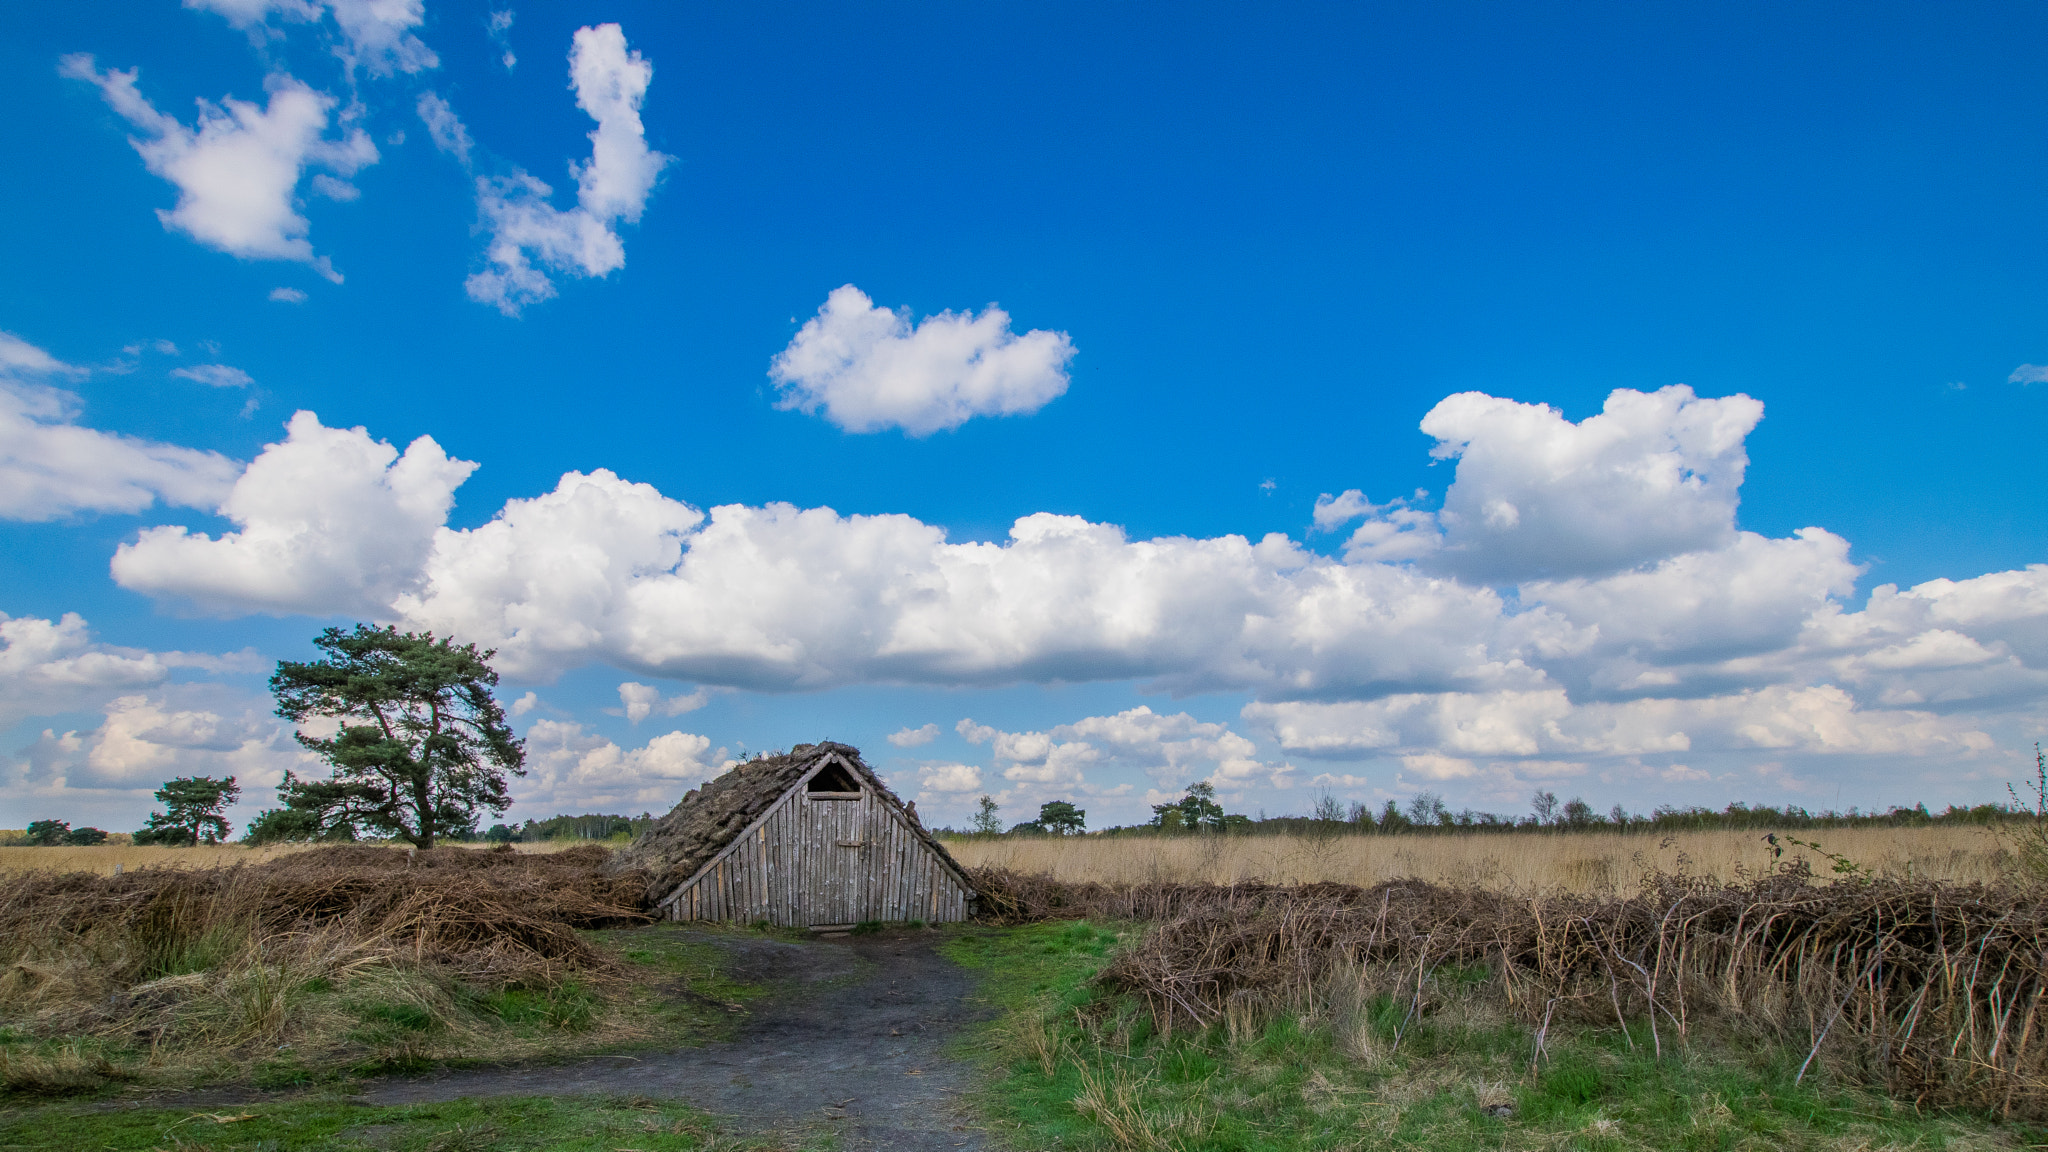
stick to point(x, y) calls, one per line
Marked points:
point(825, 862)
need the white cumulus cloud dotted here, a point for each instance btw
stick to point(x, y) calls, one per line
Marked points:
point(105, 774)
point(868, 368)
point(328, 521)
point(1174, 750)
point(530, 237)
point(948, 780)
point(1652, 476)
point(1707, 642)
point(238, 168)
point(641, 701)
point(52, 666)
point(287, 296)
point(1818, 719)
point(914, 737)
point(571, 770)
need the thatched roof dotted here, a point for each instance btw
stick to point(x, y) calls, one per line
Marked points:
point(707, 819)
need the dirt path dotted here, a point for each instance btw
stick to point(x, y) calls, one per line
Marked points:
point(850, 1040)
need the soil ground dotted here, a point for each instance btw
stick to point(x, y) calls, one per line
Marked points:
point(850, 1038)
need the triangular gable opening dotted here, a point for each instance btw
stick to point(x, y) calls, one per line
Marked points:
point(834, 782)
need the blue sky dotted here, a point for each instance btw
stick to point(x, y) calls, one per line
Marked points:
point(1243, 260)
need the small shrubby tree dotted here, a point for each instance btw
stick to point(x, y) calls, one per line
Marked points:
point(192, 814)
point(2028, 835)
point(48, 833)
point(60, 833)
point(423, 747)
point(1197, 811)
point(984, 821)
point(1427, 810)
point(1061, 818)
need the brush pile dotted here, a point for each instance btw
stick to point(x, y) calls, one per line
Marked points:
point(492, 919)
point(1934, 990)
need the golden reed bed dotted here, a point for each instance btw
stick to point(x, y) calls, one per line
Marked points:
point(1577, 862)
point(1586, 862)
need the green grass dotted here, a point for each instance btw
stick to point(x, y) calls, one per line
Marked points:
point(670, 956)
point(1073, 1067)
point(513, 1124)
point(684, 989)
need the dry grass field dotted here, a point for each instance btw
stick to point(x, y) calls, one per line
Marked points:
point(341, 953)
point(1585, 862)
point(102, 858)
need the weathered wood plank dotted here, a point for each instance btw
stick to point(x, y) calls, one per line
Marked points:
point(807, 860)
point(899, 872)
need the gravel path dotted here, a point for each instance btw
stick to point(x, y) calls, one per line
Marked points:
point(851, 1040)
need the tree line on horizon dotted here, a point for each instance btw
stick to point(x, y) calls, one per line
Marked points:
point(1198, 812)
point(424, 751)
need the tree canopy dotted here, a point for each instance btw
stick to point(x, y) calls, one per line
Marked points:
point(1061, 818)
point(1197, 811)
point(193, 807)
point(422, 746)
point(60, 833)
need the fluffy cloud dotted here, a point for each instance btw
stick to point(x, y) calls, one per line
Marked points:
point(1819, 719)
point(287, 296)
point(914, 737)
point(948, 780)
point(238, 168)
point(329, 521)
point(215, 375)
point(530, 236)
point(1173, 750)
point(641, 701)
point(595, 539)
point(1654, 475)
point(377, 35)
point(608, 570)
point(869, 368)
point(571, 770)
point(1708, 640)
point(54, 666)
point(105, 774)
point(52, 467)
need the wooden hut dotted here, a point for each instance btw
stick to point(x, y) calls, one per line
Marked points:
point(807, 839)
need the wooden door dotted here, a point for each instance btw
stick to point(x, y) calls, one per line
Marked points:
point(846, 861)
